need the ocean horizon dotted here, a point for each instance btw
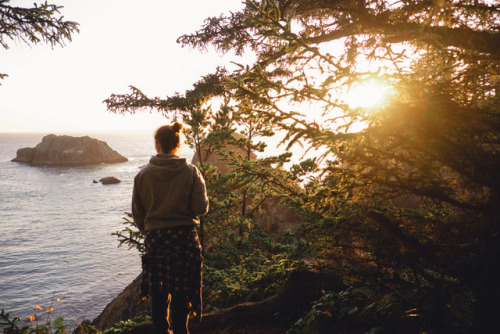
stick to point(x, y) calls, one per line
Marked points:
point(56, 247)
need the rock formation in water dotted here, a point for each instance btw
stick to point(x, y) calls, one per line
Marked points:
point(68, 151)
point(109, 180)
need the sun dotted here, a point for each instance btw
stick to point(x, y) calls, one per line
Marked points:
point(367, 94)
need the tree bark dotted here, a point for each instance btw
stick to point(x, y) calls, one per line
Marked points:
point(481, 41)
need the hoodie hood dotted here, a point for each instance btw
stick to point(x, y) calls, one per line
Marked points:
point(166, 166)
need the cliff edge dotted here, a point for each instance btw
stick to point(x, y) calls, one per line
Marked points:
point(273, 315)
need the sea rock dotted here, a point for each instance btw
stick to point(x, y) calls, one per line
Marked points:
point(25, 154)
point(217, 160)
point(109, 180)
point(68, 151)
point(275, 218)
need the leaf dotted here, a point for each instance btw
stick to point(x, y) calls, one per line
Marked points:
point(375, 330)
point(59, 322)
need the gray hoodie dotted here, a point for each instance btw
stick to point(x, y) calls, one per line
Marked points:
point(168, 192)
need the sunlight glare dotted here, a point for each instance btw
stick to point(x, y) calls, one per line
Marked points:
point(370, 93)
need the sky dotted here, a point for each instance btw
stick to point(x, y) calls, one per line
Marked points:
point(121, 43)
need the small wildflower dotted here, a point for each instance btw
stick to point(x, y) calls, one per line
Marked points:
point(37, 307)
point(49, 309)
point(32, 318)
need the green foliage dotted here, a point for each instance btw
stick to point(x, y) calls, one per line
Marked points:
point(405, 194)
point(387, 308)
point(127, 325)
point(409, 197)
point(252, 272)
point(130, 235)
point(357, 310)
point(34, 25)
point(13, 325)
point(209, 86)
point(208, 132)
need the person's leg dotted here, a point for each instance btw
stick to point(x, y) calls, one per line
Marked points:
point(159, 301)
point(180, 314)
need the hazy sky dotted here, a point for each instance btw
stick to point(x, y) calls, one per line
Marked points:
point(121, 43)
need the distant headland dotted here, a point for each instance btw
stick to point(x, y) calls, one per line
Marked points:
point(55, 151)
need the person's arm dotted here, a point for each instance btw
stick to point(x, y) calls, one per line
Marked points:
point(138, 210)
point(199, 198)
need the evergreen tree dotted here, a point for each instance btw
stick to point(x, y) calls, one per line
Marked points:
point(34, 25)
point(413, 196)
point(403, 198)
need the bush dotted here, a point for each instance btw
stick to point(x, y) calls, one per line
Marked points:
point(253, 272)
point(14, 325)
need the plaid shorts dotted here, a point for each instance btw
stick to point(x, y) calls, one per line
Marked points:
point(172, 263)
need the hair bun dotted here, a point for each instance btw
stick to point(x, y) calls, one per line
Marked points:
point(176, 127)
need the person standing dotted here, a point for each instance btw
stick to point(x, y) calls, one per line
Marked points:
point(168, 196)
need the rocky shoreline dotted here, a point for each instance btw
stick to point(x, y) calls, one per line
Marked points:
point(272, 315)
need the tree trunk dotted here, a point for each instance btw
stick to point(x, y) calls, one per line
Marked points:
point(486, 286)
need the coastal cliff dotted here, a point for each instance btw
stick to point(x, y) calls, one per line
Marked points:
point(68, 151)
point(272, 315)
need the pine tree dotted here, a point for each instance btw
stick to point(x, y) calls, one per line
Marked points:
point(403, 197)
point(414, 195)
point(34, 25)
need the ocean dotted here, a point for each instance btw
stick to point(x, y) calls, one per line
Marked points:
point(56, 247)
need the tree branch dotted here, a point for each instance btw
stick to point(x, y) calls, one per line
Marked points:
point(465, 38)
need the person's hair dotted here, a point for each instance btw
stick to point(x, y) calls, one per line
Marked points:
point(168, 136)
